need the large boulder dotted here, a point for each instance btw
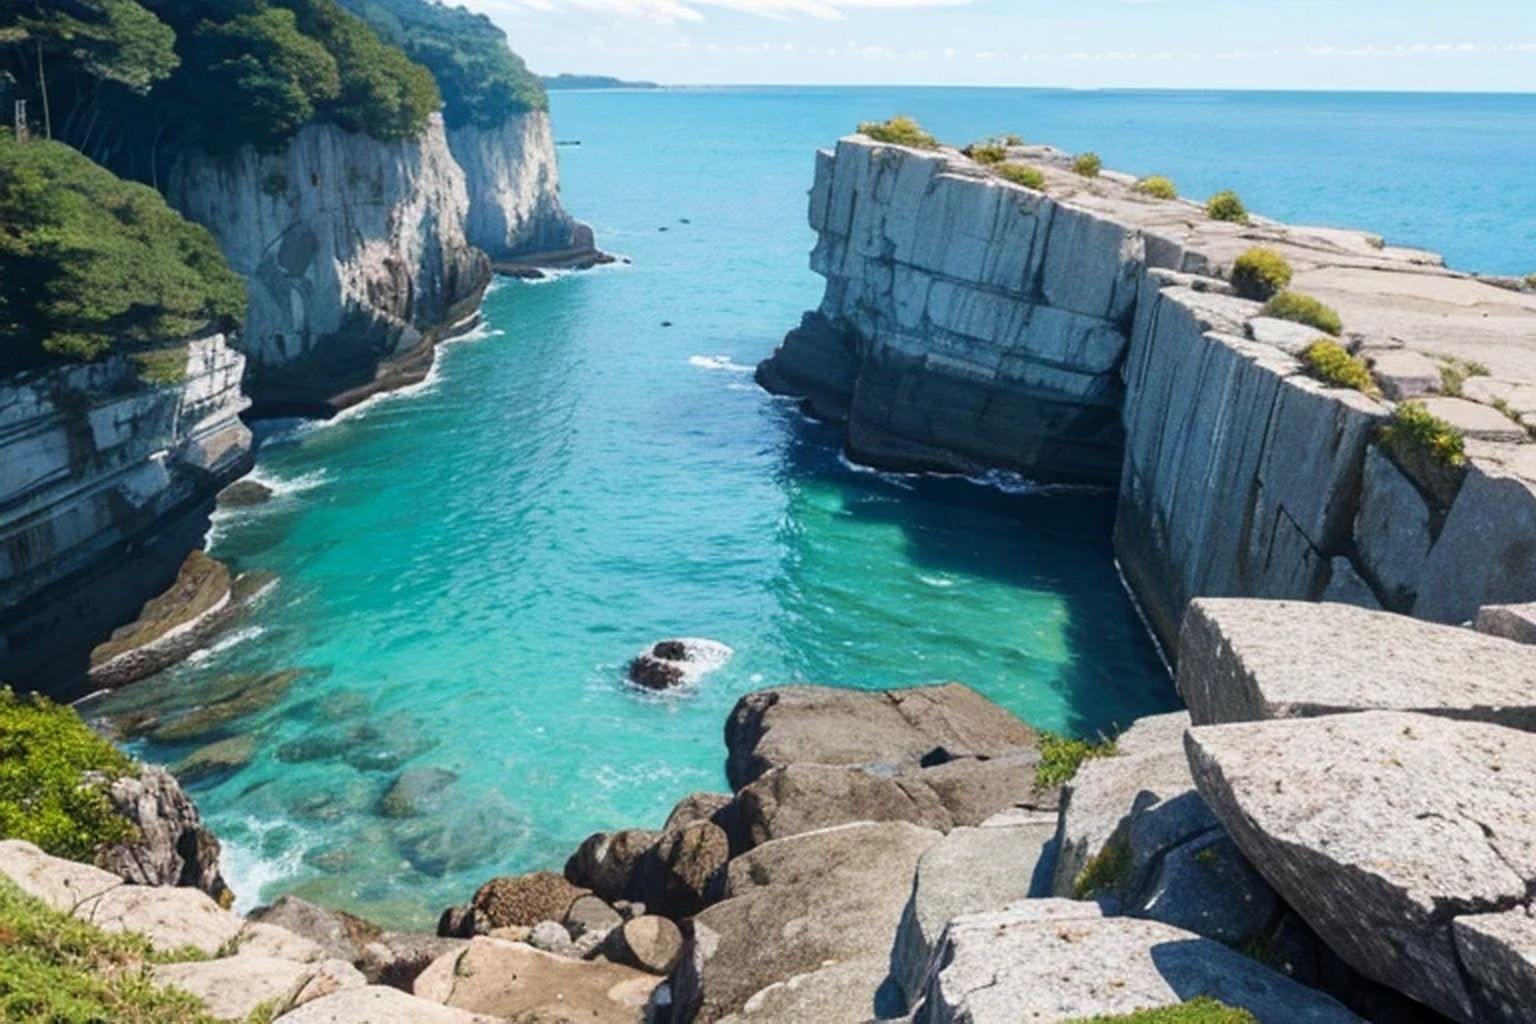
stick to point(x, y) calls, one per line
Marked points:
point(1499, 953)
point(232, 987)
point(523, 900)
point(377, 1004)
point(170, 918)
point(795, 906)
point(1381, 829)
point(61, 884)
point(171, 846)
point(885, 730)
point(1243, 660)
point(384, 957)
point(681, 872)
point(1048, 962)
point(651, 943)
point(807, 797)
point(973, 789)
point(510, 980)
point(1511, 621)
point(605, 862)
point(970, 870)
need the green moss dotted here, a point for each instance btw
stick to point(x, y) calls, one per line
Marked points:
point(162, 366)
point(1304, 309)
point(1455, 372)
point(1158, 187)
point(1259, 273)
point(1331, 363)
point(900, 130)
point(1109, 869)
point(57, 969)
point(987, 151)
point(1227, 206)
point(1202, 1010)
point(1061, 757)
point(1504, 407)
point(1021, 174)
point(45, 753)
point(1088, 165)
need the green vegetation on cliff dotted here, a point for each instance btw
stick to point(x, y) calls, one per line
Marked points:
point(1087, 164)
point(45, 755)
point(900, 130)
point(1332, 363)
point(58, 969)
point(1021, 174)
point(1259, 273)
point(1201, 1010)
point(91, 264)
point(1061, 757)
point(1227, 206)
point(1157, 187)
point(1303, 309)
point(482, 80)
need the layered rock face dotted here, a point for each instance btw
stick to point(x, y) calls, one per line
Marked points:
point(356, 255)
point(105, 483)
point(1089, 334)
point(513, 183)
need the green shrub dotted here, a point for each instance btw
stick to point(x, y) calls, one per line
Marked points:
point(45, 752)
point(900, 130)
point(1259, 273)
point(90, 264)
point(162, 367)
point(1021, 174)
point(61, 970)
point(1454, 373)
point(1061, 757)
point(1106, 872)
point(1331, 363)
point(987, 152)
point(1304, 309)
point(1226, 206)
point(1530, 281)
point(1414, 432)
point(1088, 165)
point(1201, 1010)
point(1158, 187)
point(1015, 139)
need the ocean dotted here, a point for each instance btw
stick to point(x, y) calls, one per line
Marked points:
point(465, 568)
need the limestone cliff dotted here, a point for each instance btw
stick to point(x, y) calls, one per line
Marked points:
point(356, 255)
point(513, 181)
point(1088, 333)
point(105, 483)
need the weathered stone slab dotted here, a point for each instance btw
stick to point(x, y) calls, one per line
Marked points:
point(1476, 420)
point(884, 730)
point(1404, 373)
point(839, 994)
point(232, 987)
point(62, 884)
point(795, 906)
point(509, 980)
point(969, 870)
point(1004, 968)
point(1378, 828)
point(1392, 530)
point(808, 797)
point(377, 1004)
point(170, 918)
point(1511, 621)
point(1484, 554)
point(1499, 954)
point(973, 789)
point(1244, 660)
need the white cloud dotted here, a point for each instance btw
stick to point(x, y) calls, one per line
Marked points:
point(694, 10)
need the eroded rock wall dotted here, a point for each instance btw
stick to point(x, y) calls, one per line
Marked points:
point(102, 482)
point(513, 183)
point(356, 255)
point(1088, 334)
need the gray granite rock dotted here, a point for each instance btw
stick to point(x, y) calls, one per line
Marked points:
point(651, 943)
point(1347, 586)
point(378, 1004)
point(972, 789)
point(1206, 886)
point(797, 905)
point(1378, 828)
point(1484, 553)
point(838, 994)
point(1498, 951)
point(970, 870)
point(883, 730)
point(605, 862)
point(1392, 530)
point(1243, 660)
point(807, 797)
point(510, 980)
point(1404, 373)
point(1511, 621)
point(1476, 420)
point(171, 845)
point(1012, 966)
point(232, 987)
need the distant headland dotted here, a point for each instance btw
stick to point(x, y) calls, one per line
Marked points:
point(593, 82)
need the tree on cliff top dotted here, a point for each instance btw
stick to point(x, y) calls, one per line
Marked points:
point(482, 80)
point(91, 264)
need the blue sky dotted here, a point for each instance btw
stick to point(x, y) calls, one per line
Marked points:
point(1268, 44)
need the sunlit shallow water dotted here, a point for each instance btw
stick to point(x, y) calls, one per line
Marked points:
point(465, 569)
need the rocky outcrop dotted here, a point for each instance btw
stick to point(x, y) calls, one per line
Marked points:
point(1088, 333)
point(355, 253)
point(1243, 660)
point(171, 846)
point(513, 184)
point(106, 483)
point(513, 981)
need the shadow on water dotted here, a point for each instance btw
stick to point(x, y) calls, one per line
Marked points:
point(1049, 542)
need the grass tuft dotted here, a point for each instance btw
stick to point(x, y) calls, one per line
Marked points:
point(1158, 187)
point(1226, 206)
point(900, 130)
point(1088, 165)
point(1106, 872)
point(1200, 1010)
point(1260, 273)
point(1061, 757)
point(1021, 174)
point(1332, 364)
point(1304, 309)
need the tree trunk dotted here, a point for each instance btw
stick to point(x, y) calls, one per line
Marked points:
point(42, 84)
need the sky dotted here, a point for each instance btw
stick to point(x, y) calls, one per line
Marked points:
point(1462, 45)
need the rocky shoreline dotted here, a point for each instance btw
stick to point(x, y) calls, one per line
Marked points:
point(1341, 835)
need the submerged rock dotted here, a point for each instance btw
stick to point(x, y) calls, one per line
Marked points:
point(672, 663)
point(414, 790)
point(251, 694)
point(244, 494)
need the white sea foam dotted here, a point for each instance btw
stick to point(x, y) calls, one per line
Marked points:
point(227, 641)
point(704, 657)
point(249, 873)
point(725, 363)
point(937, 581)
point(997, 480)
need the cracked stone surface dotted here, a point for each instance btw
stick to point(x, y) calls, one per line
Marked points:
point(1245, 660)
point(1022, 966)
point(1380, 829)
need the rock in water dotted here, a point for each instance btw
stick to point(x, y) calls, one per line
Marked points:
point(1382, 830)
point(672, 663)
point(244, 494)
point(414, 791)
point(523, 900)
point(169, 627)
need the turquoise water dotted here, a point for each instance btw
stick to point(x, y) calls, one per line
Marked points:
point(465, 569)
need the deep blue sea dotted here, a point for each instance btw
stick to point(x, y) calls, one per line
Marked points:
point(465, 568)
